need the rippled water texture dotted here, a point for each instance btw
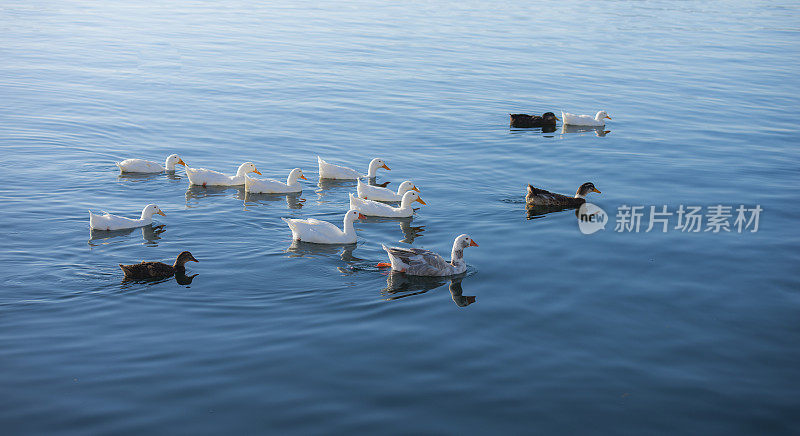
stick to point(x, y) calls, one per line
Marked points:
point(550, 331)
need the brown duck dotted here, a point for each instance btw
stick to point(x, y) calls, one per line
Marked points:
point(540, 197)
point(548, 119)
point(151, 270)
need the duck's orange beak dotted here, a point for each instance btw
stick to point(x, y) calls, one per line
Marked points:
point(257, 172)
point(385, 167)
point(161, 213)
point(556, 118)
point(303, 177)
point(361, 216)
point(420, 200)
point(595, 190)
point(415, 189)
point(608, 117)
point(181, 162)
point(472, 243)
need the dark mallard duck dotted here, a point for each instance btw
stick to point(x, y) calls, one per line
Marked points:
point(540, 197)
point(548, 119)
point(152, 270)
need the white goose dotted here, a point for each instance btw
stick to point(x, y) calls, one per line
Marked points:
point(204, 177)
point(374, 208)
point(331, 171)
point(379, 193)
point(272, 186)
point(148, 166)
point(323, 232)
point(116, 222)
point(419, 262)
point(585, 120)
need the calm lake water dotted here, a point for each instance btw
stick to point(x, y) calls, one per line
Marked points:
point(613, 332)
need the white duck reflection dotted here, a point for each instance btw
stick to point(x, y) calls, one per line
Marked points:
point(141, 177)
point(308, 249)
point(409, 232)
point(195, 193)
point(293, 200)
point(400, 285)
point(150, 233)
point(598, 130)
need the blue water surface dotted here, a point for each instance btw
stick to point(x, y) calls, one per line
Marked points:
point(550, 332)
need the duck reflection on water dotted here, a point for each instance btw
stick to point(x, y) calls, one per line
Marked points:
point(399, 285)
point(409, 232)
point(308, 249)
point(197, 192)
point(293, 200)
point(150, 233)
point(140, 177)
point(180, 277)
point(598, 130)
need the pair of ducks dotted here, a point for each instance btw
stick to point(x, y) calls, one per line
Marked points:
point(548, 119)
point(412, 261)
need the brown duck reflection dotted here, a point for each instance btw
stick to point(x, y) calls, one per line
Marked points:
point(400, 285)
point(180, 277)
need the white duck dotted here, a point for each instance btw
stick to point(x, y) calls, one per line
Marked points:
point(585, 120)
point(419, 262)
point(374, 208)
point(148, 166)
point(323, 232)
point(379, 193)
point(331, 171)
point(204, 177)
point(272, 186)
point(116, 222)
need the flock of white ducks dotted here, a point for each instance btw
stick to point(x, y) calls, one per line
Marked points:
point(369, 201)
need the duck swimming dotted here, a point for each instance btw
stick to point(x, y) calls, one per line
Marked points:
point(419, 262)
point(204, 177)
point(598, 120)
point(148, 166)
point(525, 120)
point(375, 208)
point(152, 270)
point(380, 193)
point(323, 232)
point(116, 222)
point(272, 186)
point(333, 171)
point(540, 197)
